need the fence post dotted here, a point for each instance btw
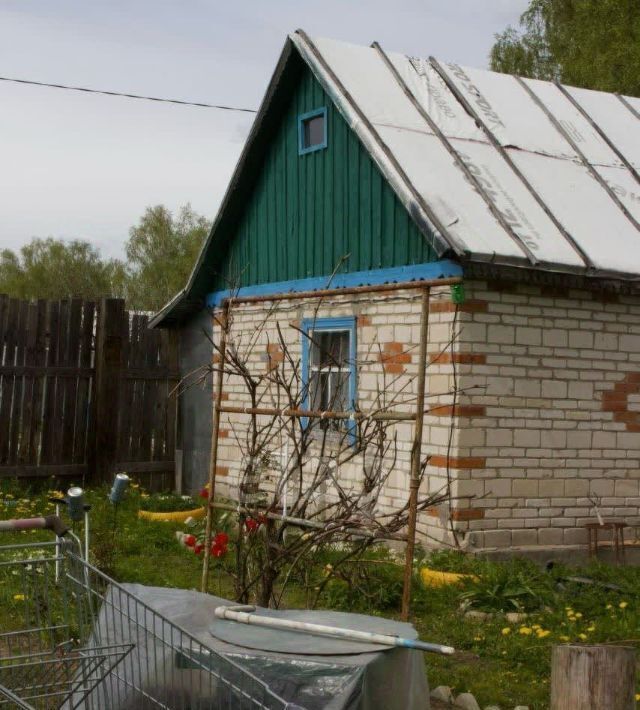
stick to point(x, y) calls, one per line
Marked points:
point(586, 677)
point(108, 364)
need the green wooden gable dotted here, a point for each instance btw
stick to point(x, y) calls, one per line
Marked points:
point(303, 213)
point(287, 217)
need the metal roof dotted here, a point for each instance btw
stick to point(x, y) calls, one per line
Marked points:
point(506, 170)
point(503, 170)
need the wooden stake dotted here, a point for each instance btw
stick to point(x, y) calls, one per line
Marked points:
point(589, 677)
point(215, 435)
point(416, 456)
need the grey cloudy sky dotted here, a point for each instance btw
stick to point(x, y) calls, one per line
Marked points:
point(80, 166)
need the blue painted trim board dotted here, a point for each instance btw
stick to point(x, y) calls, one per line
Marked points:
point(442, 269)
point(324, 324)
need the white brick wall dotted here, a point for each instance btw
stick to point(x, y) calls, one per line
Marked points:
point(560, 372)
point(547, 417)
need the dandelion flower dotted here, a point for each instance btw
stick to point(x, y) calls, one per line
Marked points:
point(506, 631)
point(609, 606)
point(536, 626)
point(591, 628)
point(524, 630)
point(623, 605)
point(542, 633)
point(564, 638)
point(578, 615)
point(582, 636)
point(637, 696)
point(477, 638)
point(19, 597)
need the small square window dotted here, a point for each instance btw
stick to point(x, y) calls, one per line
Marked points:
point(312, 131)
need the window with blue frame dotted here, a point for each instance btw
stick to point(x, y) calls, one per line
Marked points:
point(312, 131)
point(329, 369)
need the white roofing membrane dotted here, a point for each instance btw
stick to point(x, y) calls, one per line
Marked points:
point(503, 181)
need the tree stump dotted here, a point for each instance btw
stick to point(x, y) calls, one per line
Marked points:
point(593, 677)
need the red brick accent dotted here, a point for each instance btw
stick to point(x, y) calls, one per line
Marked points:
point(364, 320)
point(446, 357)
point(458, 462)
point(617, 401)
point(394, 357)
point(473, 305)
point(394, 368)
point(459, 514)
point(274, 355)
point(222, 471)
point(459, 410)
point(224, 433)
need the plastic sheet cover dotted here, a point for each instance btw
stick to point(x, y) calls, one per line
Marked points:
point(393, 679)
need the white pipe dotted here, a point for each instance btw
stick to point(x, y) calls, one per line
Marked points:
point(244, 615)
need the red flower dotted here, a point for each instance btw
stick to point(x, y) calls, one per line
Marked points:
point(218, 550)
point(204, 493)
point(198, 549)
point(189, 540)
point(251, 524)
point(262, 519)
point(221, 539)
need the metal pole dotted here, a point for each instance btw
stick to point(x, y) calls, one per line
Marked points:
point(391, 416)
point(215, 435)
point(416, 456)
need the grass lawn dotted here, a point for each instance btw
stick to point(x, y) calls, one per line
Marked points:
point(499, 662)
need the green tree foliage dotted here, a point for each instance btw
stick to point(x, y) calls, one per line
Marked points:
point(51, 268)
point(589, 43)
point(161, 251)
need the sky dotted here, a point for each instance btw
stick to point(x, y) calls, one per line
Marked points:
point(79, 166)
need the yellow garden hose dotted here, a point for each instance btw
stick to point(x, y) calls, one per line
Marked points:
point(177, 516)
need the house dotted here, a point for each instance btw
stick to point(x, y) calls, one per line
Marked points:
point(385, 168)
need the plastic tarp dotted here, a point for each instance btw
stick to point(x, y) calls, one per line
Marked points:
point(337, 678)
point(532, 200)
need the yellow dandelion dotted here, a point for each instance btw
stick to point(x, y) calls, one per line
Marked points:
point(506, 631)
point(536, 626)
point(609, 606)
point(582, 636)
point(542, 633)
point(477, 638)
point(19, 597)
point(564, 638)
point(578, 615)
point(591, 628)
point(623, 605)
point(637, 696)
point(524, 630)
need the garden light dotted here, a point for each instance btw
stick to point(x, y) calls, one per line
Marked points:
point(75, 503)
point(119, 487)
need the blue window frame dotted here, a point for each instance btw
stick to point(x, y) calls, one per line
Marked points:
point(312, 131)
point(329, 368)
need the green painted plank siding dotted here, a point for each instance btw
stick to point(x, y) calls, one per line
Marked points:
point(303, 213)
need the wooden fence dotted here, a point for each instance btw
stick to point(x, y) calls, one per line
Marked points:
point(85, 391)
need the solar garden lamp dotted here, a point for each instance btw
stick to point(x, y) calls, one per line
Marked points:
point(78, 510)
point(119, 488)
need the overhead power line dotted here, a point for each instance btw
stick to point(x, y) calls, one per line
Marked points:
point(127, 96)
